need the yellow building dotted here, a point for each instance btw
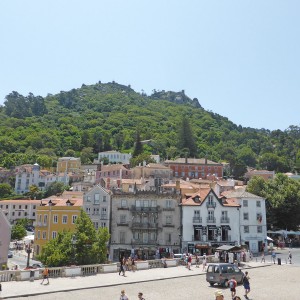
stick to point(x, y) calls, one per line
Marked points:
point(52, 216)
point(68, 164)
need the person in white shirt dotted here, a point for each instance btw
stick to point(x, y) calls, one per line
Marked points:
point(123, 296)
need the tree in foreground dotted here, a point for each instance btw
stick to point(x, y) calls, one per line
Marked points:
point(85, 245)
point(18, 231)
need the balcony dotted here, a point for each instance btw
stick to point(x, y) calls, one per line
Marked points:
point(210, 220)
point(123, 223)
point(168, 225)
point(103, 217)
point(211, 204)
point(123, 208)
point(168, 209)
point(145, 242)
point(197, 220)
point(225, 220)
point(138, 225)
point(144, 209)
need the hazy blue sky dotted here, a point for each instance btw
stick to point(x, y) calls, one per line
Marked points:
point(241, 58)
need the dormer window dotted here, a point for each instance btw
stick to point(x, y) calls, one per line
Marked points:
point(197, 199)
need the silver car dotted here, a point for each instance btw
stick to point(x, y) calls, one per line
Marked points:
point(222, 272)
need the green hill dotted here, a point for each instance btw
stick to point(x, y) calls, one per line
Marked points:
point(101, 117)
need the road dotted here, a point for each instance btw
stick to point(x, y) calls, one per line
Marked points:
point(266, 283)
point(20, 259)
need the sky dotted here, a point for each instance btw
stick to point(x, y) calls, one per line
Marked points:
point(240, 59)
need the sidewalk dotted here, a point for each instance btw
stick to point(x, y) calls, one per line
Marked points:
point(15, 289)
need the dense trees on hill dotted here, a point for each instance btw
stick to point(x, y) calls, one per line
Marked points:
point(102, 117)
point(282, 196)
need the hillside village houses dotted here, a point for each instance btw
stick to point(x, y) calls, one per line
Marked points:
point(150, 210)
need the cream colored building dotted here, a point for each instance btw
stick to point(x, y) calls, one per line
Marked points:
point(5, 234)
point(145, 224)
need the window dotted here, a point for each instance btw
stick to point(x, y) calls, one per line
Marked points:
point(25, 206)
point(103, 224)
point(146, 203)
point(88, 199)
point(20, 206)
point(97, 199)
point(25, 213)
point(197, 214)
point(104, 198)
point(74, 218)
point(123, 203)
point(259, 229)
point(245, 203)
point(34, 207)
point(169, 220)
point(14, 206)
point(55, 219)
point(13, 213)
point(259, 217)
point(122, 237)
point(210, 215)
point(153, 203)
point(45, 219)
point(246, 229)
point(122, 219)
point(64, 219)
point(224, 214)
point(44, 235)
point(138, 203)
point(258, 203)
point(33, 214)
point(54, 234)
point(39, 234)
point(169, 203)
point(168, 237)
point(19, 213)
point(210, 199)
point(246, 216)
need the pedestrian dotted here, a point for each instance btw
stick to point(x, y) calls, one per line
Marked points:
point(122, 262)
point(232, 285)
point(189, 261)
point(273, 255)
point(140, 296)
point(290, 257)
point(246, 284)
point(197, 261)
point(123, 296)
point(45, 275)
point(219, 295)
point(236, 298)
point(263, 257)
point(204, 262)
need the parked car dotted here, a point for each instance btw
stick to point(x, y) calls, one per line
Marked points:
point(10, 254)
point(220, 273)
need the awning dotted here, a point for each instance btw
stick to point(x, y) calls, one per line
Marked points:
point(210, 227)
point(201, 246)
point(198, 227)
point(226, 227)
point(228, 248)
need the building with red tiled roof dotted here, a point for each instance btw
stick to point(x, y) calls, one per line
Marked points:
point(195, 168)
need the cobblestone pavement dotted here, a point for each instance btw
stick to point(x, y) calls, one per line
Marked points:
point(271, 282)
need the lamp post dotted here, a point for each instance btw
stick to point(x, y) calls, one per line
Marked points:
point(28, 250)
point(73, 241)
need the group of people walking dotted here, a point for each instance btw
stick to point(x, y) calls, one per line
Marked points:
point(232, 284)
point(127, 264)
point(123, 296)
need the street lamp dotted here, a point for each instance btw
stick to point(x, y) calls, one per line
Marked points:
point(73, 241)
point(28, 250)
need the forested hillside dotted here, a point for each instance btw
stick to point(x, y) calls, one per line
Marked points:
point(100, 117)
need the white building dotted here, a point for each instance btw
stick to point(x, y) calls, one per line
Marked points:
point(27, 175)
point(5, 234)
point(19, 209)
point(236, 218)
point(115, 157)
point(96, 203)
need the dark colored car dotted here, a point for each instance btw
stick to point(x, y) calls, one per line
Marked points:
point(10, 254)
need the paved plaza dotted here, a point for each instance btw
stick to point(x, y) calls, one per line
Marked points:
point(268, 281)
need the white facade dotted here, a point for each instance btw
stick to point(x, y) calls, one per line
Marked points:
point(237, 219)
point(27, 175)
point(19, 209)
point(115, 157)
point(5, 234)
point(96, 203)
